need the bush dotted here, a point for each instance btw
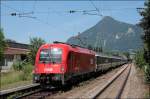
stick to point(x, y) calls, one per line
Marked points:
point(25, 68)
point(147, 72)
point(27, 71)
point(17, 66)
point(139, 59)
point(141, 63)
point(22, 72)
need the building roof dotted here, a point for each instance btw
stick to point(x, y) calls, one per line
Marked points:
point(17, 45)
point(12, 51)
point(16, 48)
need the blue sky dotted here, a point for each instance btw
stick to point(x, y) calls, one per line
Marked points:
point(54, 22)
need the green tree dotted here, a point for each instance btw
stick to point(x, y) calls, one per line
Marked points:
point(35, 43)
point(2, 46)
point(127, 54)
point(145, 24)
point(139, 59)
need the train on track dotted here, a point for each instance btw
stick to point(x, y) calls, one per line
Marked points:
point(59, 63)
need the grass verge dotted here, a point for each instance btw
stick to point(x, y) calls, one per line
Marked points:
point(13, 79)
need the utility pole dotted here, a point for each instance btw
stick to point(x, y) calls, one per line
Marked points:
point(81, 42)
point(98, 42)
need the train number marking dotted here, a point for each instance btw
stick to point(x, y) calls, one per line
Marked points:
point(48, 69)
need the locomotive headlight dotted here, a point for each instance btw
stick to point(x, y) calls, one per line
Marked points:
point(62, 69)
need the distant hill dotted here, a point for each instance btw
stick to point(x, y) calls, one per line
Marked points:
point(111, 34)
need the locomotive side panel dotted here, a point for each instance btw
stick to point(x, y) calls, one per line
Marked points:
point(85, 63)
point(80, 63)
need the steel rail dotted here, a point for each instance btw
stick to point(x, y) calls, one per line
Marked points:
point(41, 94)
point(8, 92)
point(103, 88)
point(123, 85)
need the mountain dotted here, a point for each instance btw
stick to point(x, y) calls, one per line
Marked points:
point(111, 34)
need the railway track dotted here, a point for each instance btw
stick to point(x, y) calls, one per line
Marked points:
point(113, 88)
point(95, 87)
point(43, 94)
point(99, 91)
point(46, 94)
point(20, 91)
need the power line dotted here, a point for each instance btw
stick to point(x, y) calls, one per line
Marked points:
point(96, 8)
point(94, 5)
point(84, 12)
point(20, 13)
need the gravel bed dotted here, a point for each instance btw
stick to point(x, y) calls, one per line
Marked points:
point(136, 87)
point(79, 90)
point(113, 90)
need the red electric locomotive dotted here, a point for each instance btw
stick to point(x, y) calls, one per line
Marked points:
point(60, 62)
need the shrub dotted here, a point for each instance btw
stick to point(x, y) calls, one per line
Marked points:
point(27, 71)
point(25, 68)
point(141, 63)
point(139, 59)
point(147, 72)
point(17, 66)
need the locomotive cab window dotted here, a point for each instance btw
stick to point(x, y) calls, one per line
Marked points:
point(52, 55)
point(56, 54)
point(44, 55)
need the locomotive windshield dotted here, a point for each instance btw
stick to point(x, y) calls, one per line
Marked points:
point(52, 55)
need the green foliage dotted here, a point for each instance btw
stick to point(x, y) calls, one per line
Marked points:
point(147, 72)
point(2, 45)
point(27, 71)
point(25, 68)
point(22, 72)
point(145, 24)
point(13, 79)
point(139, 59)
point(141, 63)
point(35, 43)
point(17, 66)
point(10, 77)
point(127, 54)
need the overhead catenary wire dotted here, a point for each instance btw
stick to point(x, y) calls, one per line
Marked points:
point(19, 13)
point(96, 8)
point(96, 11)
point(26, 15)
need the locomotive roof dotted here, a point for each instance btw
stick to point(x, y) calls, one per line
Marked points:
point(71, 48)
